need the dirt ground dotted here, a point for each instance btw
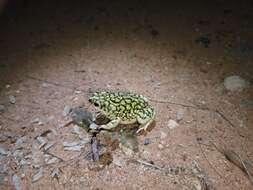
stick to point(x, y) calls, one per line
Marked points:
point(54, 54)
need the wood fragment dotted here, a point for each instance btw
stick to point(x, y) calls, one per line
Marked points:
point(145, 163)
point(94, 149)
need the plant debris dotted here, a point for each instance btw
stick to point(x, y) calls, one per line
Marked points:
point(244, 165)
point(38, 175)
point(94, 149)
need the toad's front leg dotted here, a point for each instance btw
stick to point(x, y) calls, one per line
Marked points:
point(112, 124)
point(144, 124)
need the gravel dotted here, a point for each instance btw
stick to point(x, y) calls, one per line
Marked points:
point(16, 182)
point(12, 99)
point(38, 175)
point(2, 108)
point(66, 111)
point(172, 124)
point(235, 83)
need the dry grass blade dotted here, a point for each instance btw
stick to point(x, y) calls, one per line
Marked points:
point(244, 165)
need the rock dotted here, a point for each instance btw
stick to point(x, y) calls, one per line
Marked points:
point(127, 151)
point(160, 146)
point(66, 111)
point(82, 117)
point(163, 135)
point(37, 156)
point(235, 83)
point(247, 104)
point(3, 152)
point(38, 175)
point(2, 108)
point(203, 40)
point(18, 154)
point(196, 185)
point(37, 121)
point(118, 161)
point(172, 124)
point(179, 115)
point(55, 173)
point(147, 141)
point(3, 168)
point(146, 155)
point(12, 99)
point(76, 130)
point(77, 92)
point(3, 138)
point(20, 141)
point(45, 85)
point(16, 182)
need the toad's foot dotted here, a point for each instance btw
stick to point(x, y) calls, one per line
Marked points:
point(112, 124)
point(144, 126)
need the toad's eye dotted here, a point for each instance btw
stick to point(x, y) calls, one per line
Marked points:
point(96, 104)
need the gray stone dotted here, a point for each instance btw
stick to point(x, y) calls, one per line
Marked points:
point(2, 108)
point(38, 175)
point(163, 135)
point(179, 114)
point(55, 173)
point(247, 104)
point(235, 83)
point(37, 121)
point(3, 168)
point(147, 141)
point(172, 124)
point(119, 161)
point(3, 151)
point(12, 99)
point(18, 154)
point(66, 111)
point(16, 182)
point(20, 141)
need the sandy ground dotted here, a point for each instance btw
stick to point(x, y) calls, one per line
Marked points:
point(54, 54)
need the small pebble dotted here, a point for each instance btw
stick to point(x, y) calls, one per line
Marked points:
point(180, 115)
point(37, 121)
point(160, 146)
point(163, 135)
point(235, 83)
point(55, 173)
point(2, 108)
point(172, 124)
point(66, 111)
point(12, 99)
point(16, 182)
point(45, 85)
point(118, 161)
point(3, 151)
point(38, 175)
point(147, 141)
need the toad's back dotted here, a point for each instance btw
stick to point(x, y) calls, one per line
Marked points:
point(125, 105)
